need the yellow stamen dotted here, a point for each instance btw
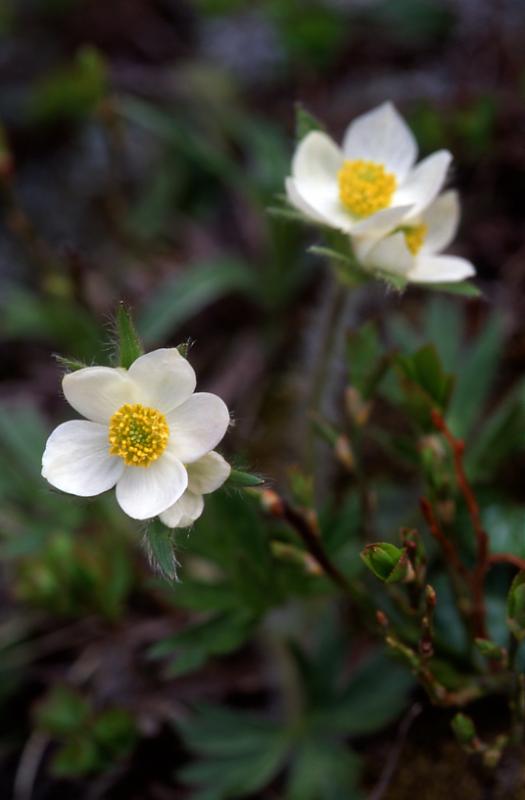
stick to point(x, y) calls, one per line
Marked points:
point(138, 434)
point(415, 235)
point(365, 187)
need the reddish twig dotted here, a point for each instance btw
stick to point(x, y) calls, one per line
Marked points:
point(477, 575)
point(449, 548)
point(280, 508)
point(507, 558)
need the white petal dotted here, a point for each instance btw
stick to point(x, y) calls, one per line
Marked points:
point(297, 201)
point(383, 136)
point(329, 206)
point(424, 183)
point(362, 245)
point(197, 426)
point(441, 269)
point(97, 392)
point(315, 165)
point(208, 473)
point(314, 189)
point(144, 492)
point(164, 379)
point(381, 222)
point(77, 459)
point(442, 221)
point(391, 254)
point(316, 160)
point(184, 512)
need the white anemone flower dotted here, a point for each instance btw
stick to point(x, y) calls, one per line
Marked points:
point(144, 429)
point(414, 249)
point(204, 476)
point(370, 184)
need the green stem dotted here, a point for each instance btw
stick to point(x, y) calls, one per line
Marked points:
point(324, 359)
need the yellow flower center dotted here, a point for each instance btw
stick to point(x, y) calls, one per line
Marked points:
point(138, 434)
point(365, 187)
point(415, 235)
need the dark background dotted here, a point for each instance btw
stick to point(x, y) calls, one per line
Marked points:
point(142, 143)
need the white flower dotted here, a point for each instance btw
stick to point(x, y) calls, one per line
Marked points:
point(144, 427)
point(371, 184)
point(204, 476)
point(413, 250)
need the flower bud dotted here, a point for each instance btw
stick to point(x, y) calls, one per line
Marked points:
point(382, 619)
point(358, 409)
point(344, 452)
point(464, 729)
point(430, 597)
point(516, 606)
point(272, 503)
point(493, 753)
point(288, 552)
point(404, 652)
point(491, 650)
point(388, 563)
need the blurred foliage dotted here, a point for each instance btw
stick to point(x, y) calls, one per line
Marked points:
point(141, 147)
point(72, 92)
point(241, 753)
point(91, 742)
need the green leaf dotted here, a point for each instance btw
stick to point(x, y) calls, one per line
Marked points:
point(160, 547)
point(114, 730)
point(79, 756)
point(200, 596)
point(179, 134)
point(62, 712)
point(71, 92)
point(502, 434)
point(194, 645)
point(324, 770)
point(490, 649)
point(129, 344)
point(187, 662)
point(243, 480)
point(333, 254)
point(464, 728)
point(220, 731)
point(425, 383)
point(241, 752)
point(233, 535)
point(475, 377)
point(305, 122)
point(464, 289)
point(184, 348)
point(69, 364)
point(63, 324)
point(267, 147)
point(187, 294)
point(376, 695)
point(285, 213)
